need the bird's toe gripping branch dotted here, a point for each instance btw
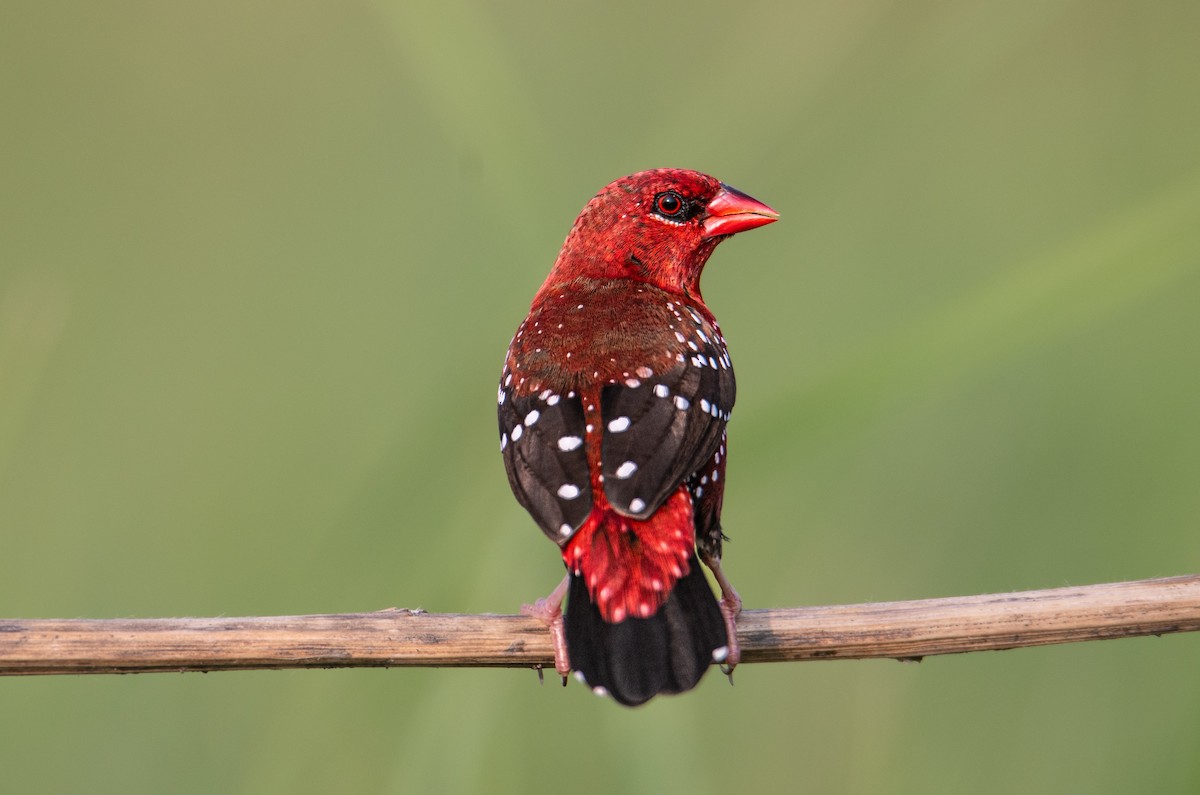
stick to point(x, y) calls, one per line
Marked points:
point(731, 608)
point(548, 610)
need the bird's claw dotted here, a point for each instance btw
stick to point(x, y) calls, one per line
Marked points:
point(548, 610)
point(731, 608)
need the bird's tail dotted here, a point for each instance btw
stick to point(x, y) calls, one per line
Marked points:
point(636, 658)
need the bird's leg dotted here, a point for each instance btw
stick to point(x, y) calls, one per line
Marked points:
point(548, 610)
point(731, 607)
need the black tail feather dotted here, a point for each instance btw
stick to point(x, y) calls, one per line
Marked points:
point(639, 658)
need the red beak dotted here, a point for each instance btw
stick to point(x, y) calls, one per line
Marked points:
point(732, 211)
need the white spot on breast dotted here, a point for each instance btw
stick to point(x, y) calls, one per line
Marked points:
point(626, 470)
point(500, 396)
point(644, 610)
point(569, 443)
point(693, 345)
point(619, 424)
point(568, 491)
point(661, 390)
point(645, 372)
point(712, 362)
point(637, 505)
point(700, 334)
point(532, 417)
point(503, 440)
point(552, 400)
point(680, 337)
point(516, 432)
point(699, 492)
point(681, 403)
point(545, 394)
point(632, 383)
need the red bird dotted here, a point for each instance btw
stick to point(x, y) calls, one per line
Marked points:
point(612, 408)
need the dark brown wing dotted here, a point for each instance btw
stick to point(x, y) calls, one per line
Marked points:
point(659, 431)
point(542, 439)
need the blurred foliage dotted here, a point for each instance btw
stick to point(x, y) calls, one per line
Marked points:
point(259, 264)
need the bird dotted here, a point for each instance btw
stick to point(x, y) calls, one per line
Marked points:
point(612, 407)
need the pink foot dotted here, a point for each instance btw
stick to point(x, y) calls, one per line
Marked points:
point(731, 607)
point(549, 611)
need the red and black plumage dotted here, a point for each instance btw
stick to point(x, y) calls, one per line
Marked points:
point(612, 410)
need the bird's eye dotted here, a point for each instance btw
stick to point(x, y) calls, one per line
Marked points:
point(669, 204)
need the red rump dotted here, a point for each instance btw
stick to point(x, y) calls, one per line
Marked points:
point(631, 565)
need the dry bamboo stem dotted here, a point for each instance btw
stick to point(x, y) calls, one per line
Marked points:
point(902, 630)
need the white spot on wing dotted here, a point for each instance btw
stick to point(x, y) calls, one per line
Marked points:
point(532, 417)
point(619, 424)
point(626, 470)
point(569, 443)
point(568, 491)
point(637, 505)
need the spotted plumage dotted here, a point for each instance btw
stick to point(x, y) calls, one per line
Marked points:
point(612, 409)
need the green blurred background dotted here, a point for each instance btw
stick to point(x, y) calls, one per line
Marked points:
point(259, 263)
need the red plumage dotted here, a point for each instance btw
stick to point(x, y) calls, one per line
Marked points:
point(612, 410)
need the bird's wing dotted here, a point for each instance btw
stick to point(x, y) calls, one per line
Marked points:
point(542, 439)
point(660, 430)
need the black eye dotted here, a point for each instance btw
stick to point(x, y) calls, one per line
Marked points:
point(669, 204)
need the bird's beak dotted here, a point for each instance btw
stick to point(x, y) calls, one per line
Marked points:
point(732, 211)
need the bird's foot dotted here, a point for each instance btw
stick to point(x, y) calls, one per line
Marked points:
point(548, 610)
point(731, 608)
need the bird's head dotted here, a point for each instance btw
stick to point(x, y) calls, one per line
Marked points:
point(656, 226)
